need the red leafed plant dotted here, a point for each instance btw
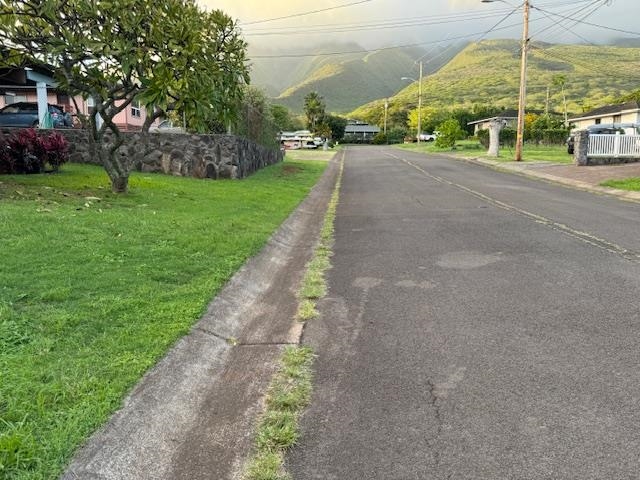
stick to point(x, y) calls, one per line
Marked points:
point(56, 149)
point(24, 151)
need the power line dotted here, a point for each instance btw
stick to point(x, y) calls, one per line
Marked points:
point(558, 25)
point(302, 14)
point(394, 21)
point(590, 24)
point(379, 26)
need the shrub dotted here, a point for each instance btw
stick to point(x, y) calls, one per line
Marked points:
point(379, 139)
point(24, 151)
point(56, 149)
point(448, 132)
point(397, 135)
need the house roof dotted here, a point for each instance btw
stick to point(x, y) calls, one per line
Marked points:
point(504, 115)
point(609, 110)
point(361, 128)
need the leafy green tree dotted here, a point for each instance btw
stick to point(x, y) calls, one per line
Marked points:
point(168, 55)
point(449, 132)
point(255, 120)
point(323, 130)
point(337, 126)
point(431, 118)
point(397, 134)
point(284, 118)
point(314, 109)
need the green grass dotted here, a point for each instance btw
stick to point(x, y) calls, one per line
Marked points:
point(314, 285)
point(289, 393)
point(632, 184)
point(471, 148)
point(317, 154)
point(290, 389)
point(96, 287)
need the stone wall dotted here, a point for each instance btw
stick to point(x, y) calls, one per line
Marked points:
point(200, 156)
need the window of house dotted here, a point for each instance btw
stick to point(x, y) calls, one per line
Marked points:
point(63, 99)
point(598, 121)
point(91, 105)
point(135, 109)
point(11, 97)
point(617, 119)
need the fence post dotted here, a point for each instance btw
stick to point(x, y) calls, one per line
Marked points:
point(616, 145)
point(581, 148)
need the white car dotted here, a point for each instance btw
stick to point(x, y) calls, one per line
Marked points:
point(427, 137)
point(166, 126)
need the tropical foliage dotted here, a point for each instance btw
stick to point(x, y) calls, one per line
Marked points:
point(170, 54)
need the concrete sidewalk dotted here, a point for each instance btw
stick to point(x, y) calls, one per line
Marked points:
point(192, 416)
point(583, 178)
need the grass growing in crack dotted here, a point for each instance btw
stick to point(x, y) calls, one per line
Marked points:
point(314, 285)
point(288, 395)
point(290, 389)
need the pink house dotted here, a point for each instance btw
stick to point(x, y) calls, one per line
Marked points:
point(21, 85)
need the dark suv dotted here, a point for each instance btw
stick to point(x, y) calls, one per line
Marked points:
point(25, 114)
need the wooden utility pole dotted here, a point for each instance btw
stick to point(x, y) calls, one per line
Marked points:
point(386, 108)
point(523, 82)
point(420, 103)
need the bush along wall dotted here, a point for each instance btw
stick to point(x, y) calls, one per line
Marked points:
point(27, 151)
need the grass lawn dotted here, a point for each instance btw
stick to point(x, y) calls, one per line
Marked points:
point(317, 154)
point(626, 184)
point(466, 148)
point(96, 287)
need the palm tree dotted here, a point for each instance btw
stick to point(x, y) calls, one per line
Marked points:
point(314, 109)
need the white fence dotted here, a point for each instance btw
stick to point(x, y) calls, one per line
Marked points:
point(617, 146)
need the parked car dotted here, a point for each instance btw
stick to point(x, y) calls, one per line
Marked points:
point(604, 129)
point(428, 137)
point(166, 126)
point(25, 114)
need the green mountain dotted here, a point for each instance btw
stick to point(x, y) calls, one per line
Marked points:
point(488, 73)
point(345, 81)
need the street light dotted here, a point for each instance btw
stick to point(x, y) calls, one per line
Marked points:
point(419, 100)
point(523, 75)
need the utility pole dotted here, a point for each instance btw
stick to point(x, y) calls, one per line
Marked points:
point(420, 103)
point(523, 82)
point(386, 108)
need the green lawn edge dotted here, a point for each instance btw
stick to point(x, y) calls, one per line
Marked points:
point(97, 287)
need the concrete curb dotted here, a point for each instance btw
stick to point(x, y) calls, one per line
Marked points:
point(191, 416)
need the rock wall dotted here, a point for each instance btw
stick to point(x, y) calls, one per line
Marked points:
point(187, 155)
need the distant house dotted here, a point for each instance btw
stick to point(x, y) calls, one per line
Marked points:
point(361, 131)
point(628, 112)
point(509, 117)
point(21, 85)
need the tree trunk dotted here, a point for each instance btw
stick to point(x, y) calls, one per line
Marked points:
point(494, 138)
point(120, 184)
point(116, 167)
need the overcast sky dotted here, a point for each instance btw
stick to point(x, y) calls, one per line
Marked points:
point(382, 23)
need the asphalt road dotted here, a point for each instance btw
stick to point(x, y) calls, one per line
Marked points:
point(479, 325)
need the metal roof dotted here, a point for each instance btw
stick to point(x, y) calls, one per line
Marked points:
point(361, 129)
point(609, 110)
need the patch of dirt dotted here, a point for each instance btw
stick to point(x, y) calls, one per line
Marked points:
point(288, 170)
